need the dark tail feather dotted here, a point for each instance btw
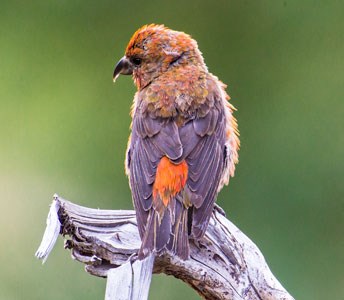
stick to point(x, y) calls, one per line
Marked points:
point(169, 234)
point(179, 243)
point(163, 231)
point(147, 244)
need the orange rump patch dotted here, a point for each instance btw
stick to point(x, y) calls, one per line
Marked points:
point(170, 179)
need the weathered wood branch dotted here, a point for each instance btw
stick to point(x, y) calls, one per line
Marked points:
point(225, 264)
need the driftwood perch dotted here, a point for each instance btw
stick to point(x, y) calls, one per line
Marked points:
point(225, 264)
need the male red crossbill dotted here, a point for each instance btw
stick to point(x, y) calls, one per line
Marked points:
point(184, 141)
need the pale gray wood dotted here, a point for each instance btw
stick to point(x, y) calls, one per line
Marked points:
point(119, 283)
point(51, 232)
point(225, 264)
point(131, 280)
point(143, 271)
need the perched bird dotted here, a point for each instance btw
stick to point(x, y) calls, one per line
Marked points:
point(184, 140)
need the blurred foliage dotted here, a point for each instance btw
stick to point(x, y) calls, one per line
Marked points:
point(64, 128)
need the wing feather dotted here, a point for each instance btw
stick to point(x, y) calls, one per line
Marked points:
point(168, 140)
point(206, 166)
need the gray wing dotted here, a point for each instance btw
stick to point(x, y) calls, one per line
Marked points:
point(151, 140)
point(205, 154)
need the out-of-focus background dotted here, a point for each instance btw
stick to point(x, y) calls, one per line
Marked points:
point(64, 128)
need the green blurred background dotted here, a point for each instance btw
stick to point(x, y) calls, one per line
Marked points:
point(64, 128)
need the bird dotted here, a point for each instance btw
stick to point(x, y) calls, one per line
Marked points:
point(184, 139)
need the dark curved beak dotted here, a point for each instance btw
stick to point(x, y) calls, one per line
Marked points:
point(123, 67)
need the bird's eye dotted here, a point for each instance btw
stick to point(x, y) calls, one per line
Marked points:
point(136, 61)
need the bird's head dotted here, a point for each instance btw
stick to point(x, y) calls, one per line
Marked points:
point(154, 50)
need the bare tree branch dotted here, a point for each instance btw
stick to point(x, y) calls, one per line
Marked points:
point(225, 264)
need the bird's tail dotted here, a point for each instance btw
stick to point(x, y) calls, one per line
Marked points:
point(167, 229)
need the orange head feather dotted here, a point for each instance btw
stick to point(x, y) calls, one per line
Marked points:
point(154, 48)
